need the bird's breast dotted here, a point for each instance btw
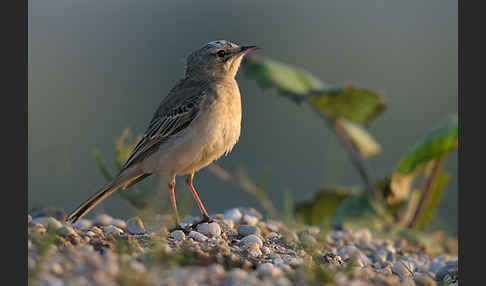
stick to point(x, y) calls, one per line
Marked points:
point(213, 133)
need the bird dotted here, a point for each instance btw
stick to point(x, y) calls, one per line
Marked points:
point(197, 122)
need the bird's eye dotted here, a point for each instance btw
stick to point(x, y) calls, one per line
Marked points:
point(221, 53)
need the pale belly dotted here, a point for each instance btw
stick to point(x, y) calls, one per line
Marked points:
point(209, 136)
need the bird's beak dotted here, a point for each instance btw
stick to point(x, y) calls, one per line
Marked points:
point(248, 49)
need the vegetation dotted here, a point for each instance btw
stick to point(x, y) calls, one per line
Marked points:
point(408, 198)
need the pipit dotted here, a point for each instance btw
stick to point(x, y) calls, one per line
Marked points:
point(195, 124)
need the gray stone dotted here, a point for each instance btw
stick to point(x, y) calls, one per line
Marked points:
point(423, 280)
point(197, 236)
point(402, 269)
point(250, 220)
point(46, 279)
point(216, 270)
point(209, 229)
point(66, 231)
point(135, 225)
point(450, 269)
point(351, 252)
point(119, 223)
point(247, 241)
point(233, 214)
point(246, 230)
point(111, 229)
point(308, 240)
point(103, 220)
point(82, 224)
point(178, 235)
point(268, 270)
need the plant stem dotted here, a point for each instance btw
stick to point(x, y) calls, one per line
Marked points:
point(358, 162)
point(427, 192)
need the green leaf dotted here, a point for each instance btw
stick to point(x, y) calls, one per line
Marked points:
point(363, 140)
point(357, 211)
point(322, 206)
point(423, 155)
point(430, 209)
point(359, 105)
point(433, 146)
point(285, 78)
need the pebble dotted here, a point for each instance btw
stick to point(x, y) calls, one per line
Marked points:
point(250, 220)
point(229, 223)
point(402, 269)
point(48, 221)
point(251, 239)
point(308, 240)
point(216, 270)
point(66, 231)
point(90, 233)
point(46, 279)
point(178, 235)
point(265, 250)
point(135, 225)
point(254, 251)
point(29, 218)
point(119, 223)
point(363, 236)
point(102, 220)
point(449, 268)
point(233, 215)
point(252, 212)
point(423, 280)
point(111, 229)
point(268, 270)
point(82, 224)
point(197, 236)
point(246, 230)
point(209, 229)
point(352, 252)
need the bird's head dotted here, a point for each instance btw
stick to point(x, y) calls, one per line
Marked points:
point(217, 59)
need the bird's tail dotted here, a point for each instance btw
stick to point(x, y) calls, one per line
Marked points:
point(125, 179)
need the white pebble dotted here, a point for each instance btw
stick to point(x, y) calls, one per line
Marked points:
point(197, 236)
point(209, 229)
point(251, 239)
point(103, 220)
point(112, 229)
point(178, 235)
point(119, 223)
point(233, 214)
point(250, 220)
point(82, 224)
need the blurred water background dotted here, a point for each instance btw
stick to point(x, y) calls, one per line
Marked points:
point(98, 67)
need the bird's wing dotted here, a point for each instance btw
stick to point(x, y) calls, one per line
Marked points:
point(175, 113)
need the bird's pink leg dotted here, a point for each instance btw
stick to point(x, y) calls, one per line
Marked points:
point(194, 193)
point(173, 199)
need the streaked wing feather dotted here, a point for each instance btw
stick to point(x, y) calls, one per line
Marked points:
point(175, 113)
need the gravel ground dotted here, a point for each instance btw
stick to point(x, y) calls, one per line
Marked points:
point(238, 248)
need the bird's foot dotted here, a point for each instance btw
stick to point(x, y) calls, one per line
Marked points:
point(204, 220)
point(191, 227)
